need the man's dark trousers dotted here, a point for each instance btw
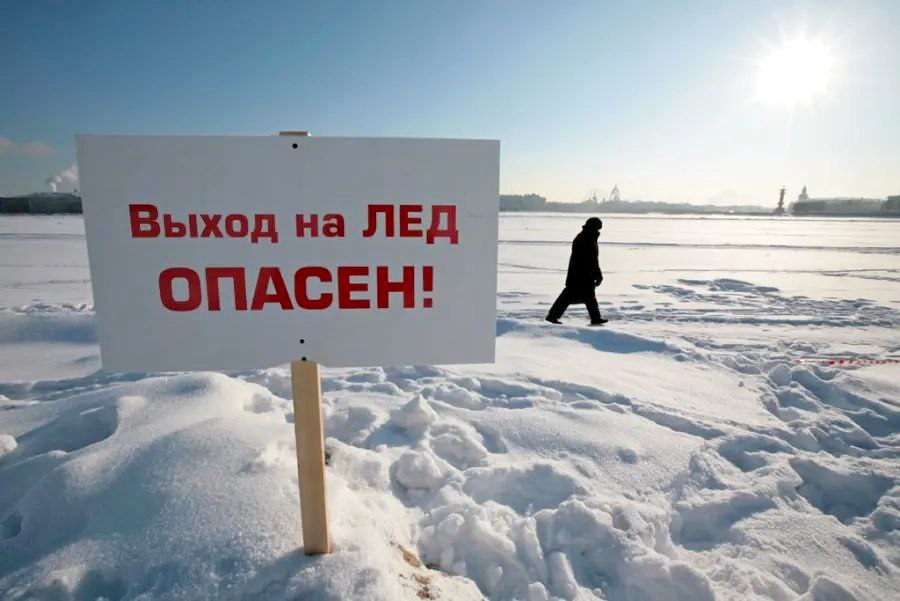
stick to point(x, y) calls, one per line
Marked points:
point(572, 296)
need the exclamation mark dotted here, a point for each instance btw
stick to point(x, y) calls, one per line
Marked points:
point(427, 285)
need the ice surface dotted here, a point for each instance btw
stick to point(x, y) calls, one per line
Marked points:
point(694, 448)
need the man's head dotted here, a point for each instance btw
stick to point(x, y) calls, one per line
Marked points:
point(593, 224)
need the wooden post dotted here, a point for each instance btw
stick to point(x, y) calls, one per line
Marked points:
point(306, 386)
point(307, 390)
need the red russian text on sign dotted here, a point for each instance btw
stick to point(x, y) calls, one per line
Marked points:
point(314, 288)
point(145, 223)
point(408, 217)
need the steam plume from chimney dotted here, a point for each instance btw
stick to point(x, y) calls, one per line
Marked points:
point(66, 176)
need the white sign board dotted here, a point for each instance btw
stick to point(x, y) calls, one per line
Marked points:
point(234, 252)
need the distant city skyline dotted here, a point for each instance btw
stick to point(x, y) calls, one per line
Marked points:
point(702, 102)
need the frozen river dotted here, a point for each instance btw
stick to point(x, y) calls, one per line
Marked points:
point(44, 259)
point(824, 258)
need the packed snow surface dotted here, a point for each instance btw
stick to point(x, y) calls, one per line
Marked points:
point(697, 447)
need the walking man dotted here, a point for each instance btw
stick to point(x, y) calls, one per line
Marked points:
point(584, 275)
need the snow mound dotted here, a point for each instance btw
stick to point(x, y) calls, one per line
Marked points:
point(780, 375)
point(415, 416)
point(43, 322)
point(569, 551)
point(7, 444)
point(600, 339)
point(140, 521)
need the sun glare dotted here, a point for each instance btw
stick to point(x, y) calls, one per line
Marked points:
point(794, 72)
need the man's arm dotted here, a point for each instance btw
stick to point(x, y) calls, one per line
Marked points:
point(598, 274)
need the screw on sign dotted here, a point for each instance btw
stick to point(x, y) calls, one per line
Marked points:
point(244, 252)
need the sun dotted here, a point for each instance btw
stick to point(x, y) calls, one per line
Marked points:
point(794, 72)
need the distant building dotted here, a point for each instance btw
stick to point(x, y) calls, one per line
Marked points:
point(522, 202)
point(779, 210)
point(614, 194)
point(41, 203)
point(844, 206)
point(893, 204)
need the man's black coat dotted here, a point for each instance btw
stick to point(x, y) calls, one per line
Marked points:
point(584, 268)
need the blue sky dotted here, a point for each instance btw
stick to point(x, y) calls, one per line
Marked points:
point(657, 97)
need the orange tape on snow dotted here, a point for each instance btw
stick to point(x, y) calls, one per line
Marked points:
point(841, 362)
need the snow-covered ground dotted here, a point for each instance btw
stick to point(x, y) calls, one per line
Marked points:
point(680, 452)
